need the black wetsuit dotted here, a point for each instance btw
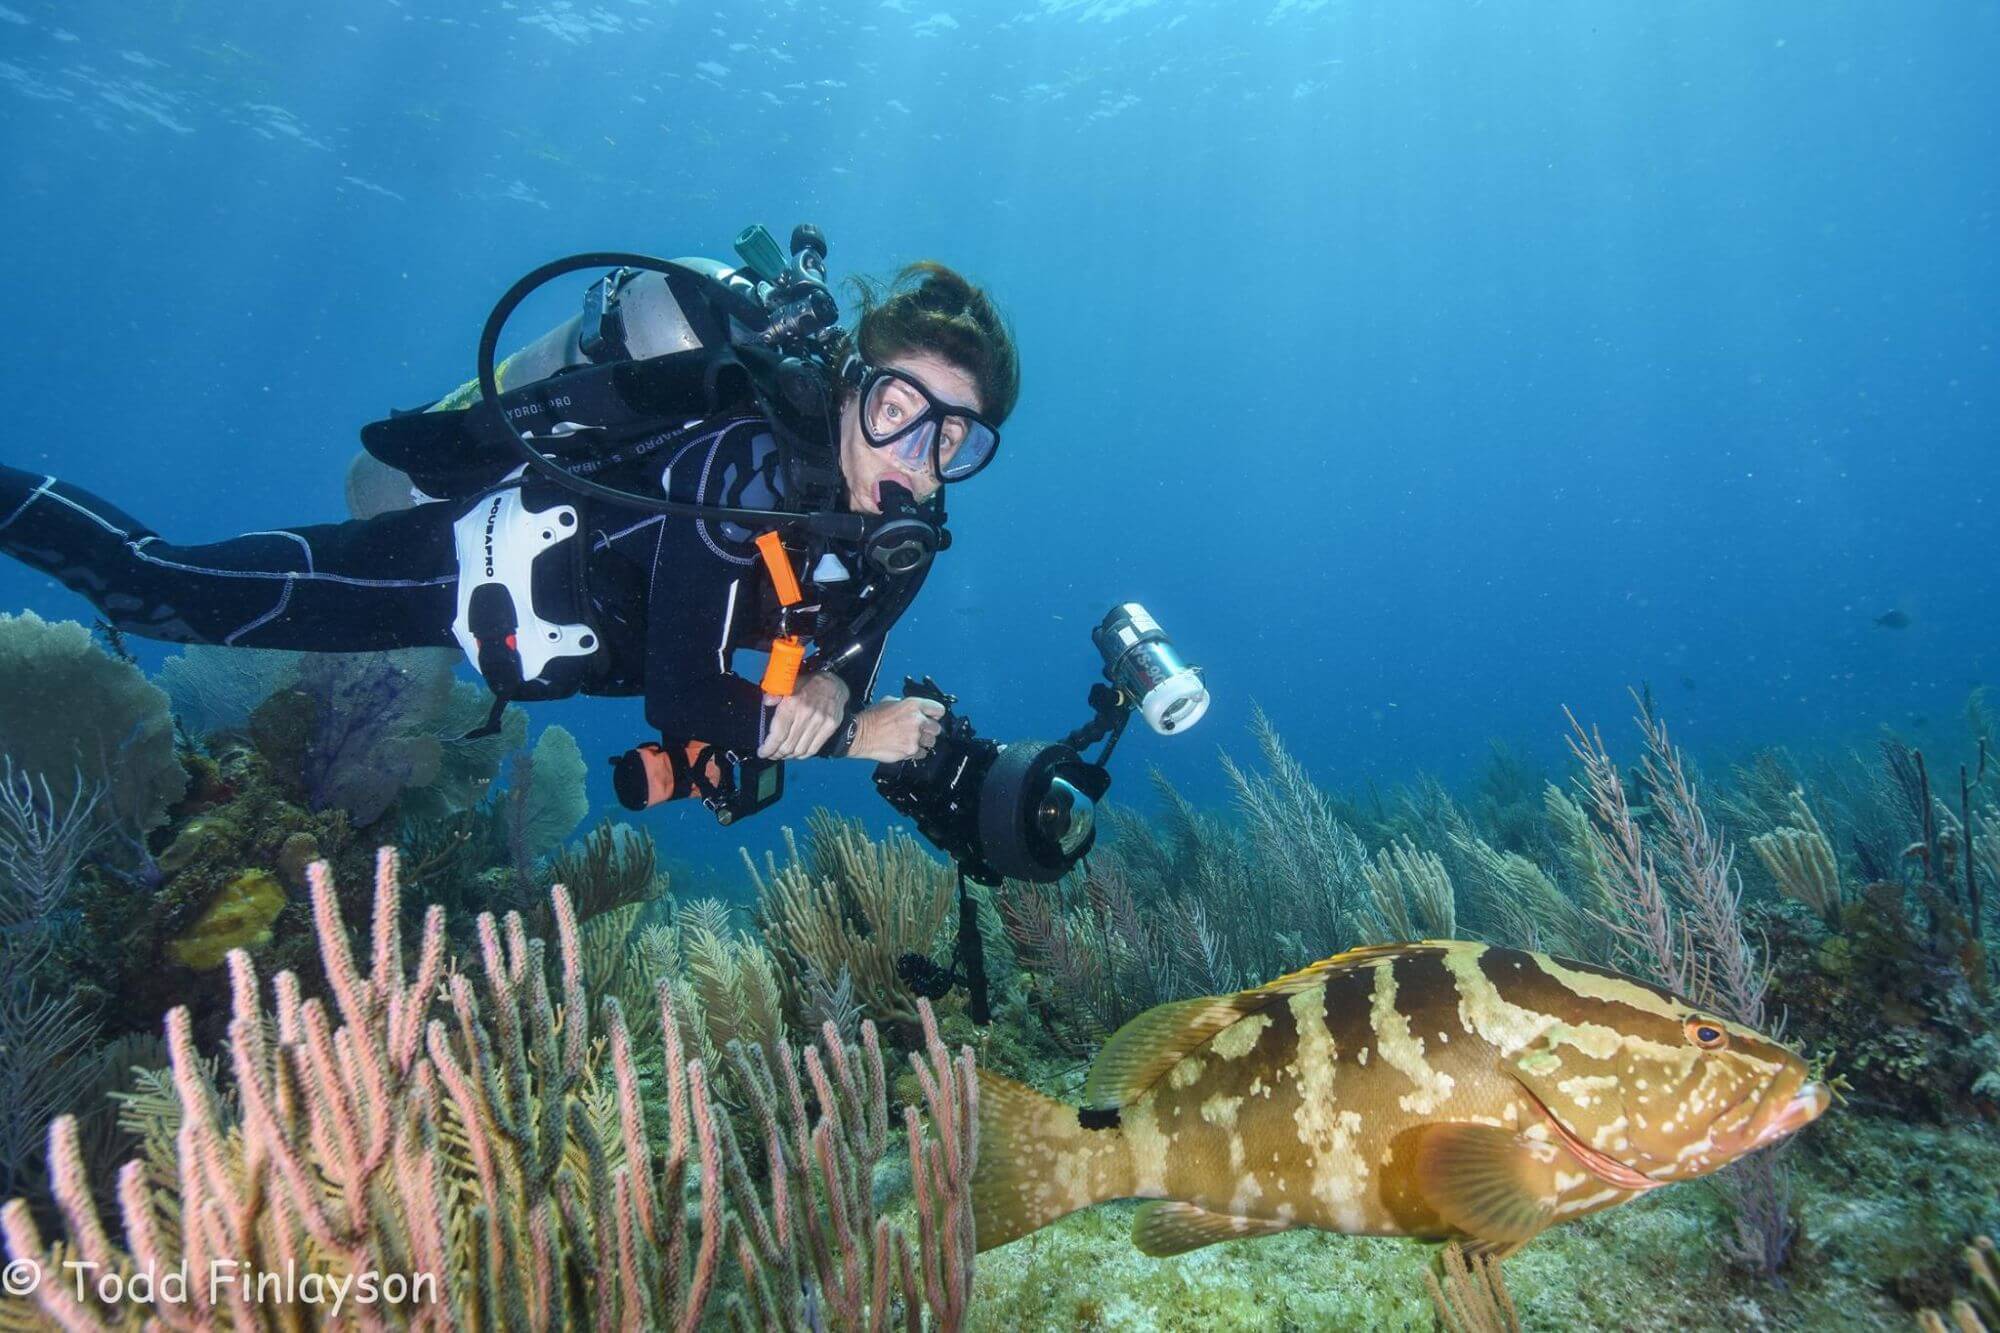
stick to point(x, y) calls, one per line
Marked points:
point(671, 597)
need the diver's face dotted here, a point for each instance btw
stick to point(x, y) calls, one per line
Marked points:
point(867, 467)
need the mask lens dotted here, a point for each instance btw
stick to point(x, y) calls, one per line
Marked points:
point(892, 407)
point(972, 450)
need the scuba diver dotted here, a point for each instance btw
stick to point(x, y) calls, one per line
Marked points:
point(702, 461)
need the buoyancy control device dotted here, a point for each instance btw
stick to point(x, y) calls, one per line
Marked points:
point(531, 441)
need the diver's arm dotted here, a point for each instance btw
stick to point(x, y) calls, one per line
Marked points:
point(858, 661)
point(691, 693)
point(828, 701)
point(860, 669)
point(705, 576)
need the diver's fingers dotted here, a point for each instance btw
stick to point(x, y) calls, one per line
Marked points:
point(817, 733)
point(801, 723)
point(784, 721)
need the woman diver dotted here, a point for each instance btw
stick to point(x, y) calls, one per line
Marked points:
point(552, 589)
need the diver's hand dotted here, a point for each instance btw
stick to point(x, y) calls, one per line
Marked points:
point(895, 730)
point(806, 718)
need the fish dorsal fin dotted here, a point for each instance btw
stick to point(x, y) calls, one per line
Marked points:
point(1167, 1227)
point(1140, 1053)
point(1496, 1186)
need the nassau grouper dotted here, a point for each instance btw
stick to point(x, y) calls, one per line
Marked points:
point(1442, 1090)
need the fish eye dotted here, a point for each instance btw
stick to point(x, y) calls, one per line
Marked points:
point(1707, 1034)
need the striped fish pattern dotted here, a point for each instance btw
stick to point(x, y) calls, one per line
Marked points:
point(1441, 1090)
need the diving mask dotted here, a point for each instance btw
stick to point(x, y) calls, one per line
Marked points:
point(898, 413)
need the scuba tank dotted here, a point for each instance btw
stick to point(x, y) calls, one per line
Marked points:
point(657, 343)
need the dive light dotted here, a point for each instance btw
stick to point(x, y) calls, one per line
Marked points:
point(1141, 660)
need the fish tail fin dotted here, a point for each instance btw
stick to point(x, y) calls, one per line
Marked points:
point(1037, 1162)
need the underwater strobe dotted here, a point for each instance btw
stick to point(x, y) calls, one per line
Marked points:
point(1028, 810)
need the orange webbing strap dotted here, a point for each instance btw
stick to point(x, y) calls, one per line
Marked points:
point(781, 673)
point(780, 566)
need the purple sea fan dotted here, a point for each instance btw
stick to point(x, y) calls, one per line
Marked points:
point(369, 734)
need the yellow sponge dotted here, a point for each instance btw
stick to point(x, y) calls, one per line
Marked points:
point(239, 918)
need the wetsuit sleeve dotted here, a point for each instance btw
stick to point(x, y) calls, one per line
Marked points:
point(861, 668)
point(703, 578)
point(859, 672)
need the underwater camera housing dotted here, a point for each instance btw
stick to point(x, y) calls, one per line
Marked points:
point(1028, 810)
point(1020, 811)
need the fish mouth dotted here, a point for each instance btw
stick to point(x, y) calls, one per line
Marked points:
point(1605, 1167)
point(1804, 1106)
point(1793, 1114)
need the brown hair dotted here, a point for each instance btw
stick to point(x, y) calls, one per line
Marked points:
point(928, 307)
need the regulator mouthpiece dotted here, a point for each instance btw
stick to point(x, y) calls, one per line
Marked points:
point(902, 539)
point(1140, 660)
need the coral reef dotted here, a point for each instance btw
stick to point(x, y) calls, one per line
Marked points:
point(854, 906)
point(1888, 989)
point(1472, 1295)
point(1091, 957)
point(615, 866)
point(494, 1166)
point(215, 689)
point(281, 759)
point(1801, 860)
point(78, 718)
point(467, 764)
point(48, 1064)
point(47, 1056)
point(1978, 1312)
point(44, 842)
point(545, 798)
point(1410, 895)
point(1307, 859)
point(354, 729)
point(733, 981)
point(556, 1102)
point(847, 1253)
point(231, 867)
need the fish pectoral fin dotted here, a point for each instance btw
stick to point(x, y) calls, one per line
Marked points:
point(1167, 1227)
point(1493, 1184)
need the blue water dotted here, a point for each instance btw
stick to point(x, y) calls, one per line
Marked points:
point(1424, 367)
